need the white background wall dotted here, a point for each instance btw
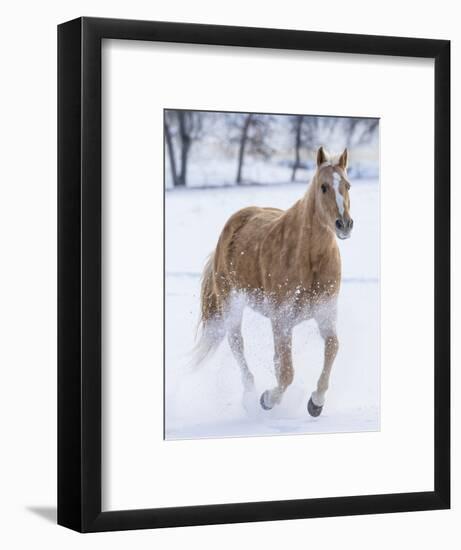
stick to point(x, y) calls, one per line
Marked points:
point(28, 271)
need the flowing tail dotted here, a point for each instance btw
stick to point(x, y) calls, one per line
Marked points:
point(211, 328)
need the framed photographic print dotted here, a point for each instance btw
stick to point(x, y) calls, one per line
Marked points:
point(254, 270)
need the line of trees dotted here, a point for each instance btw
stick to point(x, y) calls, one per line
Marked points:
point(251, 134)
point(306, 130)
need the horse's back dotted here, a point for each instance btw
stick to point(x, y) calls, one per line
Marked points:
point(245, 229)
point(238, 245)
point(254, 216)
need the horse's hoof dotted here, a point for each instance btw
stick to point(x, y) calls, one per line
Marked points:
point(264, 401)
point(312, 408)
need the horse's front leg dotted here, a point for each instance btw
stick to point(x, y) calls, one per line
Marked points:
point(283, 366)
point(327, 327)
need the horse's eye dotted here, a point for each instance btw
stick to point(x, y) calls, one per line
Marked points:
point(348, 185)
point(324, 188)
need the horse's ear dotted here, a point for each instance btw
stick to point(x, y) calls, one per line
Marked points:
point(343, 160)
point(322, 156)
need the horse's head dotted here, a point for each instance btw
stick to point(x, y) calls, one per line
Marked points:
point(332, 192)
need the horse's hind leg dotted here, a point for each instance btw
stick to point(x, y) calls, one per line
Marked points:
point(235, 339)
point(283, 366)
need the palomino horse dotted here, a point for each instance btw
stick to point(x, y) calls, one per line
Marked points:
point(286, 265)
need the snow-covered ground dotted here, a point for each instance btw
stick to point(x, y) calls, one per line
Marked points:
point(208, 402)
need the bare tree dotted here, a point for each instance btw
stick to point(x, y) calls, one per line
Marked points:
point(242, 145)
point(297, 126)
point(190, 126)
point(305, 131)
point(182, 128)
point(358, 131)
point(252, 139)
point(170, 148)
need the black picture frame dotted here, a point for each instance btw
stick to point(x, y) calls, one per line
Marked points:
point(79, 274)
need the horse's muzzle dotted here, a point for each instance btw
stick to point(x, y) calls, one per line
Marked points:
point(344, 228)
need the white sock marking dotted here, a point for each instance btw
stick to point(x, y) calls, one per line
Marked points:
point(318, 398)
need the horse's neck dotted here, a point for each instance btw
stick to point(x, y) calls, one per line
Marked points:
point(315, 241)
point(312, 226)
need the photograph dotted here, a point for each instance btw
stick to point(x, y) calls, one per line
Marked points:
point(271, 274)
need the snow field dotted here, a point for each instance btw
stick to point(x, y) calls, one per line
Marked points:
point(208, 401)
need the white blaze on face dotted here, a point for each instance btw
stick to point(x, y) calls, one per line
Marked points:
point(339, 197)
